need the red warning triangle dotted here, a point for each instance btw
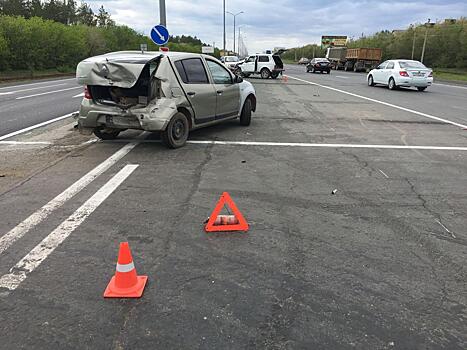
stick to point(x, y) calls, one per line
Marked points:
point(242, 225)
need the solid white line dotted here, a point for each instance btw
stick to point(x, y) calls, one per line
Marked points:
point(384, 103)
point(25, 143)
point(39, 253)
point(14, 133)
point(7, 93)
point(48, 93)
point(34, 219)
point(79, 95)
point(325, 145)
point(453, 86)
point(32, 84)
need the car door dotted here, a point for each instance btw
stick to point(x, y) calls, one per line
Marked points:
point(378, 72)
point(199, 90)
point(228, 92)
point(386, 72)
point(249, 65)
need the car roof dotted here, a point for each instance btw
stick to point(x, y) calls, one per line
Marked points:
point(141, 58)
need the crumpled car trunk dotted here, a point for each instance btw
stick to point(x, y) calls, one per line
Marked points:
point(116, 81)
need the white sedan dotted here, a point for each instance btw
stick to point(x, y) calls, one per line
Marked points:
point(401, 73)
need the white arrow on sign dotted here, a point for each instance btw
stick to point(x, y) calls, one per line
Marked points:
point(158, 33)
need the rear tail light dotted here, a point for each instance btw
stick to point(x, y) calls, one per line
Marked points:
point(87, 93)
point(403, 73)
point(430, 75)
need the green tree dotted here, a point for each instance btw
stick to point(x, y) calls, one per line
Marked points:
point(85, 15)
point(103, 18)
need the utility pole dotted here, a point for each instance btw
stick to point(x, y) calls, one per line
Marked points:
point(427, 24)
point(163, 15)
point(224, 27)
point(234, 17)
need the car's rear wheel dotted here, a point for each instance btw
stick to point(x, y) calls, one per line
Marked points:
point(106, 133)
point(421, 88)
point(329, 71)
point(265, 73)
point(392, 84)
point(245, 117)
point(274, 75)
point(371, 82)
point(176, 133)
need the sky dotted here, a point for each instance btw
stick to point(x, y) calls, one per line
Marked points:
point(268, 24)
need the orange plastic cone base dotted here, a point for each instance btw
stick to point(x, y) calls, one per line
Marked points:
point(135, 291)
point(240, 222)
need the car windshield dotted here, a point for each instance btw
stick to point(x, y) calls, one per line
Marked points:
point(231, 59)
point(411, 64)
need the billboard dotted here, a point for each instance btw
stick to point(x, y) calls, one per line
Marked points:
point(207, 49)
point(333, 40)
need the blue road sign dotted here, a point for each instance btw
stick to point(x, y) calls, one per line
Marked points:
point(160, 35)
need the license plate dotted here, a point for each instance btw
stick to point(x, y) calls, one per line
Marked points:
point(418, 74)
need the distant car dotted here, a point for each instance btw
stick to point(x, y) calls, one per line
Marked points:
point(303, 60)
point(231, 61)
point(319, 65)
point(401, 73)
point(168, 92)
point(267, 65)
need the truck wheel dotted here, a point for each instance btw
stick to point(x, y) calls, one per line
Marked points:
point(371, 82)
point(106, 133)
point(392, 84)
point(176, 133)
point(245, 117)
point(265, 73)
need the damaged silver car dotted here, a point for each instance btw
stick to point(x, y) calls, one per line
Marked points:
point(167, 92)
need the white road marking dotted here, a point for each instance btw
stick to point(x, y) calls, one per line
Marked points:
point(34, 219)
point(32, 84)
point(453, 86)
point(48, 93)
point(14, 133)
point(25, 143)
point(79, 95)
point(340, 76)
point(382, 172)
point(39, 253)
point(446, 229)
point(36, 88)
point(324, 145)
point(384, 103)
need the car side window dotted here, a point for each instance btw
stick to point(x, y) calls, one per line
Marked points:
point(251, 59)
point(219, 74)
point(192, 71)
point(263, 59)
point(382, 65)
point(390, 65)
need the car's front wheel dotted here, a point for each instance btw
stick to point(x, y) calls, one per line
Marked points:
point(371, 82)
point(265, 73)
point(106, 133)
point(176, 133)
point(392, 84)
point(245, 117)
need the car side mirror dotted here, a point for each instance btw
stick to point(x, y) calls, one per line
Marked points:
point(238, 79)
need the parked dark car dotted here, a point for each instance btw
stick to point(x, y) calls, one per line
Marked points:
point(319, 65)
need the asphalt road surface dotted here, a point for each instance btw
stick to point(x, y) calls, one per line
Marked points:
point(379, 264)
point(25, 104)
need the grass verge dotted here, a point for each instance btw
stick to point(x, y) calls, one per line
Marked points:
point(30, 75)
point(450, 74)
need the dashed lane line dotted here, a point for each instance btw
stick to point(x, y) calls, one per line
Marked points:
point(383, 103)
point(48, 93)
point(37, 217)
point(33, 84)
point(38, 254)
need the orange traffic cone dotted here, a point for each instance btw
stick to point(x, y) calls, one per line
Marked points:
point(125, 283)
